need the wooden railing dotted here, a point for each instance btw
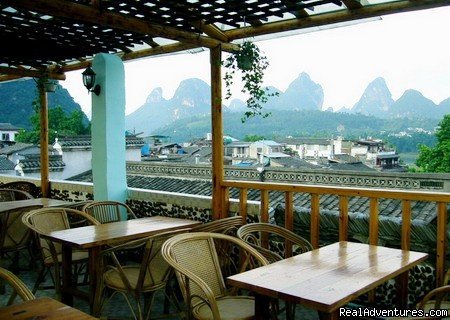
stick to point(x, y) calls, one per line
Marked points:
point(441, 199)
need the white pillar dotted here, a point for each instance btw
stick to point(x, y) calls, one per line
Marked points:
point(108, 129)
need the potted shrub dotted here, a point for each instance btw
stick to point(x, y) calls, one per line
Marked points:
point(251, 63)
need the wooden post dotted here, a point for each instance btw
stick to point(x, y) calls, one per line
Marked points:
point(45, 183)
point(218, 193)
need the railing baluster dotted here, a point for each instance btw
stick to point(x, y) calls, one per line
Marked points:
point(343, 218)
point(406, 224)
point(373, 222)
point(315, 212)
point(441, 246)
point(243, 204)
point(226, 203)
point(264, 215)
point(289, 219)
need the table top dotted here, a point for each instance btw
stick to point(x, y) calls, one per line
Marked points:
point(17, 204)
point(328, 278)
point(42, 308)
point(93, 236)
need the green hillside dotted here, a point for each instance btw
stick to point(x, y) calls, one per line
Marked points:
point(16, 98)
point(284, 123)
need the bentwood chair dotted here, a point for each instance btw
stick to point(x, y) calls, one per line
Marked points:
point(109, 211)
point(228, 256)
point(45, 220)
point(196, 263)
point(15, 236)
point(137, 282)
point(26, 186)
point(228, 225)
point(280, 243)
point(13, 194)
point(18, 287)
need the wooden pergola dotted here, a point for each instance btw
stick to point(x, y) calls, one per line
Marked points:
point(47, 38)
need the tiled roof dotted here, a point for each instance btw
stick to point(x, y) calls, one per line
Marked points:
point(355, 166)
point(8, 127)
point(85, 141)
point(346, 158)
point(294, 163)
point(17, 147)
point(421, 211)
point(6, 164)
point(33, 162)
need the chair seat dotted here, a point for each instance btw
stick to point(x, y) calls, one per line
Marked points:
point(230, 308)
point(113, 280)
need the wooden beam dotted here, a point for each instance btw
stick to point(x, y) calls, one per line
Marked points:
point(4, 78)
point(170, 48)
point(90, 14)
point(335, 17)
point(211, 30)
point(45, 181)
point(22, 72)
point(352, 4)
point(217, 133)
point(166, 49)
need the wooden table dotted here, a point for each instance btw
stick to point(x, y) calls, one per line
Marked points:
point(93, 238)
point(326, 279)
point(42, 308)
point(44, 202)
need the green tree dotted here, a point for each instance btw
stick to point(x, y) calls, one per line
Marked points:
point(59, 124)
point(253, 138)
point(437, 159)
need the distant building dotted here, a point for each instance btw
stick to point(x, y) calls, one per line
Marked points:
point(315, 148)
point(76, 153)
point(8, 133)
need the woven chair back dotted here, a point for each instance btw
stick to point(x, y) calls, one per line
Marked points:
point(14, 235)
point(109, 211)
point(13, 195)
point(46, 220)
point(26, 186)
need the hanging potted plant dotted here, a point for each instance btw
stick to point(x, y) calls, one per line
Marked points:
point(251, 63)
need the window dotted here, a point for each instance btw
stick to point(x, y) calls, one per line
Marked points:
point(5, 136)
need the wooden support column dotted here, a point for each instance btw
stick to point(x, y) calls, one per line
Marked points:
point(45, 181)
point(218, 193)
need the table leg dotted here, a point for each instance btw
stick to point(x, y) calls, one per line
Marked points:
point(401, 282)
point(66, 296)
point(262, 310)
point(94, 298)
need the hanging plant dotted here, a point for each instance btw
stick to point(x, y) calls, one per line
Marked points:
point(251, 63)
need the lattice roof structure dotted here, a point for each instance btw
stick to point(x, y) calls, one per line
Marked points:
point(50, 37)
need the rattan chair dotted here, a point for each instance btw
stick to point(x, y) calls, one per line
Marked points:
point(196, 263)
point(15, 236)
point(13, 194)
point(18, 287)
point(228, 225)
point(228, 255)
point(278, 238)
point(46, 220)
point(26, 186)
point(281, 243)
point(109, 211)
point(138, 282)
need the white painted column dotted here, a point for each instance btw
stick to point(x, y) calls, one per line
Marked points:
point(108, 129)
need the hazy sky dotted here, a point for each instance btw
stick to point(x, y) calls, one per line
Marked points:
point(410, 50)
